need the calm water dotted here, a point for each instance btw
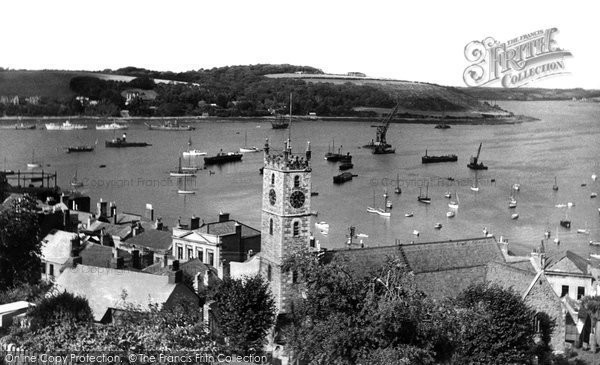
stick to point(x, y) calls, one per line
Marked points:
point(564, 143)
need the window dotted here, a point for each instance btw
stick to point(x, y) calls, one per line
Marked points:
point(580, 292)
point(296, 181)
point(179, 253)
point(271, 226)
point(43, 267)
point(190, 253)
point(564, 291)
point(294, 276)
point(272, 179)
point(296, 228)
point(51, 270)
point(269, 273)
point(200, 254)
point(211, 258)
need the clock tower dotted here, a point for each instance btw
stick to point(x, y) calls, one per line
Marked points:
point(285, 222)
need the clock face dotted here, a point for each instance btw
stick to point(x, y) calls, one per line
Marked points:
point(297, 199)
point(272, 197)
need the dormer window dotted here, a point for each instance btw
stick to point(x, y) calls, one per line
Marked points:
point(272, 179)
point(296, 181)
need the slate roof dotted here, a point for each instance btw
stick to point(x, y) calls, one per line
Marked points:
point(56, 246)
point(153, 239)
point(441, 268)
point(227, 227)
point(191, 267)
point(571, 263)
point(122, 231)
point(106, 289)
point(100, 256)
point(508, 276)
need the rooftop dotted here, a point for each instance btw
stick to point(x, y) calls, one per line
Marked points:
point(156, 240)
point(56, 246)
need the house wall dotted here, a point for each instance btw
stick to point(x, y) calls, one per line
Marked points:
point(558, 280)
point(198, 247)
point(542, 298)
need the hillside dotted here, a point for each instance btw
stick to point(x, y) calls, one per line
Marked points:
point(493, 93)
point(51, 84)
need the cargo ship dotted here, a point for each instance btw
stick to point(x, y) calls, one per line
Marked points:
point(223, 157)
point(122, 142)
point(433, 159)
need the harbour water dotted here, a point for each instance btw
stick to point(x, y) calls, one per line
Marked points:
point(563, 143)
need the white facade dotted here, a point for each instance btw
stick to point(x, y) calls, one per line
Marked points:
point(190, 244)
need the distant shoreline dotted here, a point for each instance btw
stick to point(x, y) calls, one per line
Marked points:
point(517, 119)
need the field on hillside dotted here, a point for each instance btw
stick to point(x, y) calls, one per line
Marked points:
point(53, 84)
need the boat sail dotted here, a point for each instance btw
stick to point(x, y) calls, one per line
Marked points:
point(180, 172)
point(379, 211)
point(555, 186)
point(247, 149)
point(185, 190)
point(424, 198)
point(33, 164)
point(475, 186)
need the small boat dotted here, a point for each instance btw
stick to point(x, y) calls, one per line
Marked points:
point(383, 213)
point(33, 164)
point(570, 204)
point(223, 157)
point(111, 127)
point(323, 226)
point(424, 198)
point(454, 204)
point(547, 234)
point(379, 211)
point(474, 163)
point(346, 166)
point(338, 156)
point(66, 126)
point(343, 177)
point(594, 177)
point(75, 182)
point(557, 240)
point(475, 186)
point(514, 216)
point(20, 126)
point(593, 195)
point(442, 126)
point(362, 235)
point(512, 203)
point(583, 231)
point(416, 233)
point(247, 149)
point(194, 153)
point(122, 142)
point(595, 243)
point(386, 202)
point(438, 226)
point(180, 172)
point(170, 126)
point(450, 214)
point(555, 186)
point(371, 210)
point(185, 191)
point(450, 178)
point(102, 166)
point(565, 223)
point(324, 233)
point(448, 195)
point(397, 190)
point(83, 148)
point(434, 159)
point(561, 205)
point(583, 184)
point(408, 215)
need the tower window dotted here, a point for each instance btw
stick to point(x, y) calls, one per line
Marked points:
point(272, 179)
point(269, 273)
point(296, 181)
point(296, 228)
point(271, 226)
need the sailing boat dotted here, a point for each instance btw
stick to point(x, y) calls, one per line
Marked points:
point(280, 122)
point(475, 187)
point(424, 199)
point(247, 149)
point(191, 153)
point(185, 190)
point(512, 202)
point(555, 186)
point(556, 240)
point(584, 230)
point(398, 190)
point(33, 164)
point(381, 212)
point(180, 172)
point(75, 182)
point(388, 203)
point(454, 204)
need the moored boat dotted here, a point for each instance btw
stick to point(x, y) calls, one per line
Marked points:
point(170, 126)
point(223, 157)
point(424, 198)
point(343, 177)
point(82, 148)
point(323, 226)
point(111, 126)
point(122, 142)
point(66, 126)
point(450, 214)
point(434, 159)
point(474, 163)
point(181, 172)
point(514, 216)
point(194, 153)
point(346, 166)
point(438, 226)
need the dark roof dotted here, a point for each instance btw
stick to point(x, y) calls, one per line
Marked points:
point(100, 256)
point(227, 227)
point(441, 268)
point(571, 263)
point(191, 267)
point(508, 276)
point(153, 239)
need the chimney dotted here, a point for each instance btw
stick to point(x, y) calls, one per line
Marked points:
point(148, 258)
point(66, 218)
point(135, 259)
point(149, 212)
point(116, 262)
point(158, 225)
point(238, 230)
point(76, 260)
point(75, 246)
point(89, 221)
point(308, 152)
point(134, 230)
point(64, 199)
point(165, 259)
point(175, 275)
point(102, 208)
point(194, 222)
point(223, 217)
point(113, 212)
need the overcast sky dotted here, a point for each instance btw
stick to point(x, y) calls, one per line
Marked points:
point(411, 40)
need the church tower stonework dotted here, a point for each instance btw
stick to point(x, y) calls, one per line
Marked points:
point(286, 218)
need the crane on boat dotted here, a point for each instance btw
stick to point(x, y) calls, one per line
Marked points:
point(380, 145)
point(474, 162)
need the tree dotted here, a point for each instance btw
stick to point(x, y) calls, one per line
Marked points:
point(245, 311)
point(58, 307)
point(496, 326)
point(20, 246)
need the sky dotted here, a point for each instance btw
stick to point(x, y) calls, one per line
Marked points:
point(410, 40)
